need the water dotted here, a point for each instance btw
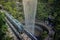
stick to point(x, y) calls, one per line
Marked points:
point(30, 7)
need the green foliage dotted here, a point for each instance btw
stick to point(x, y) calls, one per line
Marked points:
point(12, 8)
point(44, 34)
point(3, 28)
point(42, 11)
point(57, 20)
point(44, 8)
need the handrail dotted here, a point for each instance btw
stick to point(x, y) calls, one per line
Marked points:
point(19, 26)
point(13, 29)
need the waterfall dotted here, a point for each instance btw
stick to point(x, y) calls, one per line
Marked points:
point(30, 7)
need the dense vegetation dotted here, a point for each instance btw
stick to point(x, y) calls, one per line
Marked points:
point(3, 28)
point(57, 20)
point(44, 9)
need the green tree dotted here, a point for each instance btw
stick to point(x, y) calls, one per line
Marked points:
point(57, 20)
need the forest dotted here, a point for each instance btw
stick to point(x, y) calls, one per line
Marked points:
point(45, 9)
